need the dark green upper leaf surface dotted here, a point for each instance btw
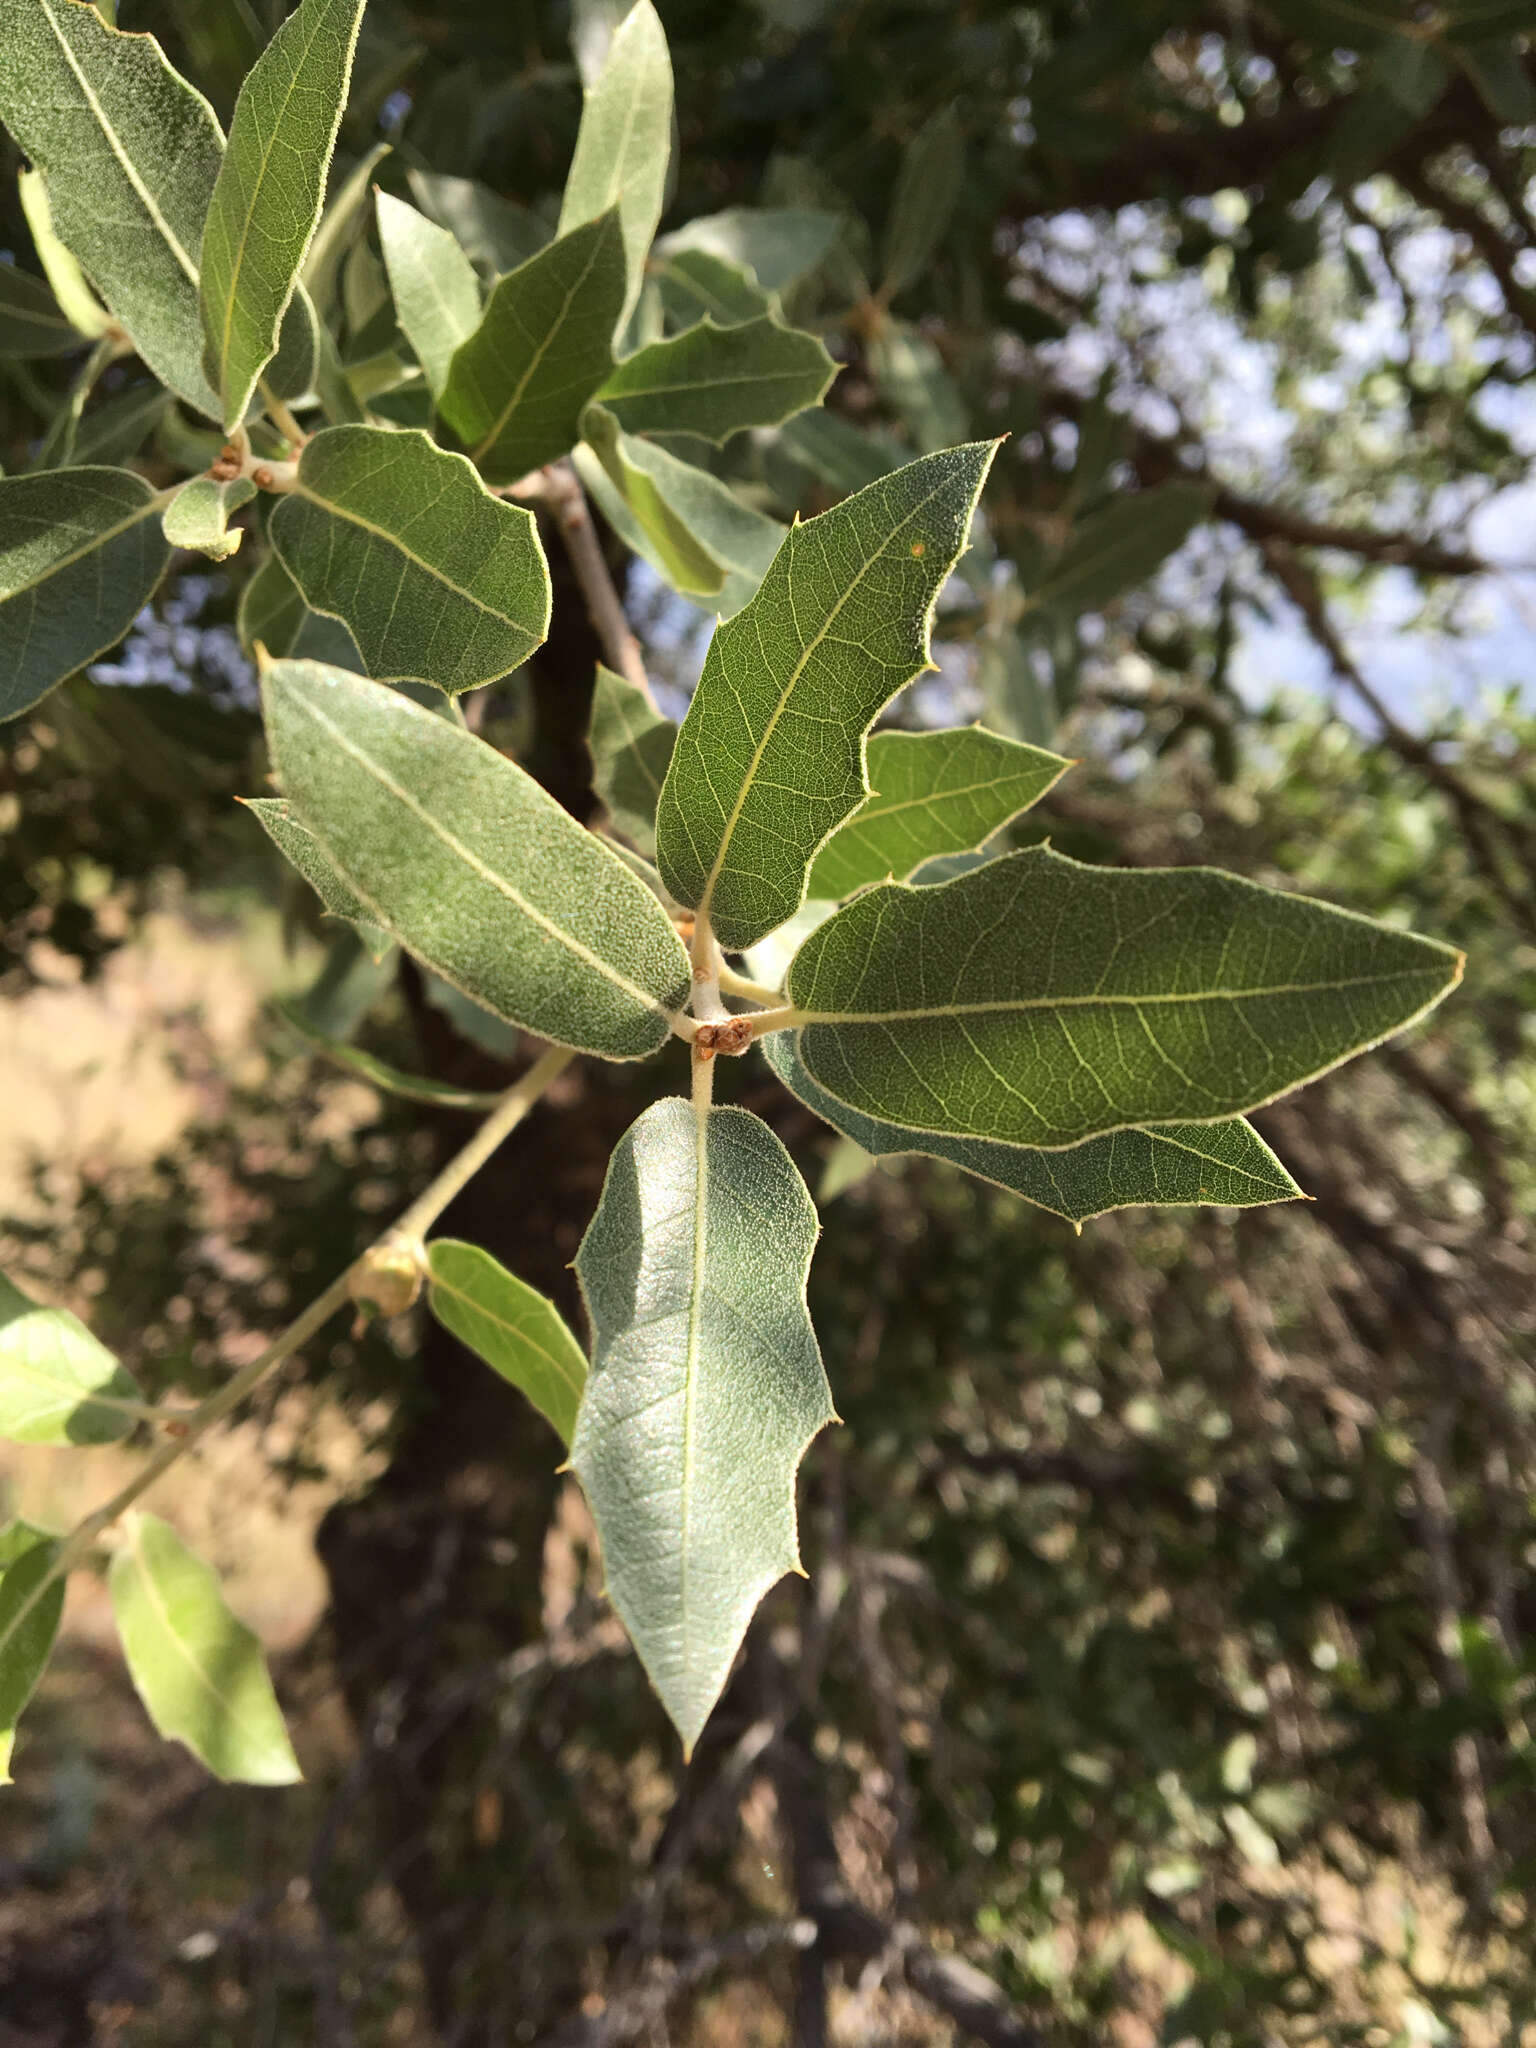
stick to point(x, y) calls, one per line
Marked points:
point(933, 793)
point(131, 153)
point(438, 581)
point(624, 144)
point(270, 188)
point(770, 758)
point(81, 551)
point(714, 381)
point(58, 1384)
point(200, 1672)
point(516, 387)
point(1039, 1002)
point(706, 1387)
point(515, 1329)
point(1225, 1163)
point(29, 1622)
point(463, 859)
point(630, 744)
point(1118, 548)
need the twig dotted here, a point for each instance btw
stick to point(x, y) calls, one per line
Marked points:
point(195, 1423)
point(849, 1932)
point(1479, 824)
point(559, 490)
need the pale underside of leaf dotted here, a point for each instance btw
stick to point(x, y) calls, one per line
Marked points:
point(706, 1387)
point(1171, 1165)
point(462, 858)
point(435, 289)
point(624, 145)
point(1036, 1001)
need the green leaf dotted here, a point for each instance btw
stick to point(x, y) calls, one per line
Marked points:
point(438, 581)
point(465, 861)
point(78, 303)
point(300, 847)
point(910, 375)
point(340, 225)
point(16, 1539)
point(1119, 548)
point(131, 154)
point(494, 234)
point(779, 245)
point(624, 144)
point(1227, 1164)
point(380, 1074)
point(631, 744)
point(515, 1329)
point(273, 614)
point(200, 1672)
point(715, 381)
point(516, 387)
point(271, 185)
point(690, 527)
point(436, 291)
point(31, 322)
point(706, 1387)
point(29, 1623)
point(58, 1385)
point(81, 551)
point(1497, 71)
point(934, 793)
point(696, 285)
point(926, 190)
point(292, 372)
point(841, 454)
point(770, 758)
point(1040, 1002)
point(198, 515)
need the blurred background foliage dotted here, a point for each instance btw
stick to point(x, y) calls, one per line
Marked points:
point(1165, 1670)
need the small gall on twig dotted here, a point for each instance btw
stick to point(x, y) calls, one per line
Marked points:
point(731, 1037)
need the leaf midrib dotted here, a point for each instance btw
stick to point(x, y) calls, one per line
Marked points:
point(515, 1331)
point(114, 143)
point(802, 1017)
point(258, 1741)
point(153, 503)
point(340, 511)
point(728, 831)
point(551, 336)
point(471, 860)
point(238, 263)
